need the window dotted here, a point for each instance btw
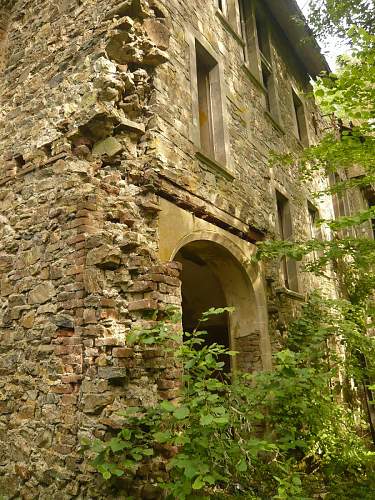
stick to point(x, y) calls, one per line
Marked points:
point(262, 36)
point(314, 229)
point(229, 10)
point(222, 6)
point(341, 203)
point(288, 268)
point(369, 201)
point(267, 82)
point(258, 53)
point(209, 101)
point(248, 31)
point(204, 68)
point(300, 128)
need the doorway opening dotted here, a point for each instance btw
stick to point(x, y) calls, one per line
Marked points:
point(202, 289)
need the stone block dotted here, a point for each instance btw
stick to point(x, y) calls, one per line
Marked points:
point(142, 286)
point(42, 293)
point(143, 305)
point(105, 257)
point(91, 403)
point(158, 32)
point(27, 320)
point(109, 341)
point(131, 8)
point(109, 146)
point(122, 352)
point(64, 321)
point(6, 263)
point(93, 280)
point(111, 372)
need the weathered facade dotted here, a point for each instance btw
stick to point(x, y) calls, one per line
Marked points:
point(135, 141)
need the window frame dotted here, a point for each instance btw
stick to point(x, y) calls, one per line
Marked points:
point(315, 231)
point(260, 63)
point(300, 128)
point(220, 161)
point(230, 11)
point(284, 224)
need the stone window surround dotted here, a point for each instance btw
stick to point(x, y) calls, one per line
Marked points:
point(303, 141)
point(292, 266)
point(230, 16)
point(221, 163)
point(253, 62)
point(316, 232)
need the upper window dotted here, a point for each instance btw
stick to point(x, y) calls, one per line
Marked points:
point(258, 53)
point(288, 266)
point(205, 68)
point(230, 11)
point(262, 35)
point(208, 132)
point(300, 128)
point(341, 202)
point(314, 229)
point(222, 6)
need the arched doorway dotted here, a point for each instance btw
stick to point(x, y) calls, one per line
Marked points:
point(202, 289)
point(212, 277)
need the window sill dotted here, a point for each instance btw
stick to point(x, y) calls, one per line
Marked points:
point(254, 79)
point(274, 122)
point(228, 26)
point(214, 166)
point(282, 290)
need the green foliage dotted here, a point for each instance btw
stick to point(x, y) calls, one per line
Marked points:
point(278, 434)
point(335, 17)
point(347, 257)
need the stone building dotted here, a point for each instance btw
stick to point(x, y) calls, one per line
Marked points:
point(135, 141)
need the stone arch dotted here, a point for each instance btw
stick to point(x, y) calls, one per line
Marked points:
point(242, 285)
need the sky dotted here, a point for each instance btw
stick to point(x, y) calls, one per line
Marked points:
point(332, 47)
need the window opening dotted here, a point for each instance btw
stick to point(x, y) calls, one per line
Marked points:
point(204, 67)
point(221, 5)
point(267, 82)
point(299, 118)
point(211, 125)
point(315, 230)
point(263, 37)
point(288, 266)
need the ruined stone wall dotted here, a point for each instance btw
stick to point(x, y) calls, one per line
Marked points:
point(248, 199)
point(95, 111)
point(78, 238)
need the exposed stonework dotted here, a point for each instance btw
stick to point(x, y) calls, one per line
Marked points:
point(95, 136)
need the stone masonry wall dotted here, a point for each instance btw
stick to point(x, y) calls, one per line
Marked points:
point(94, 114)
point(248, 200)
point(78, 241)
